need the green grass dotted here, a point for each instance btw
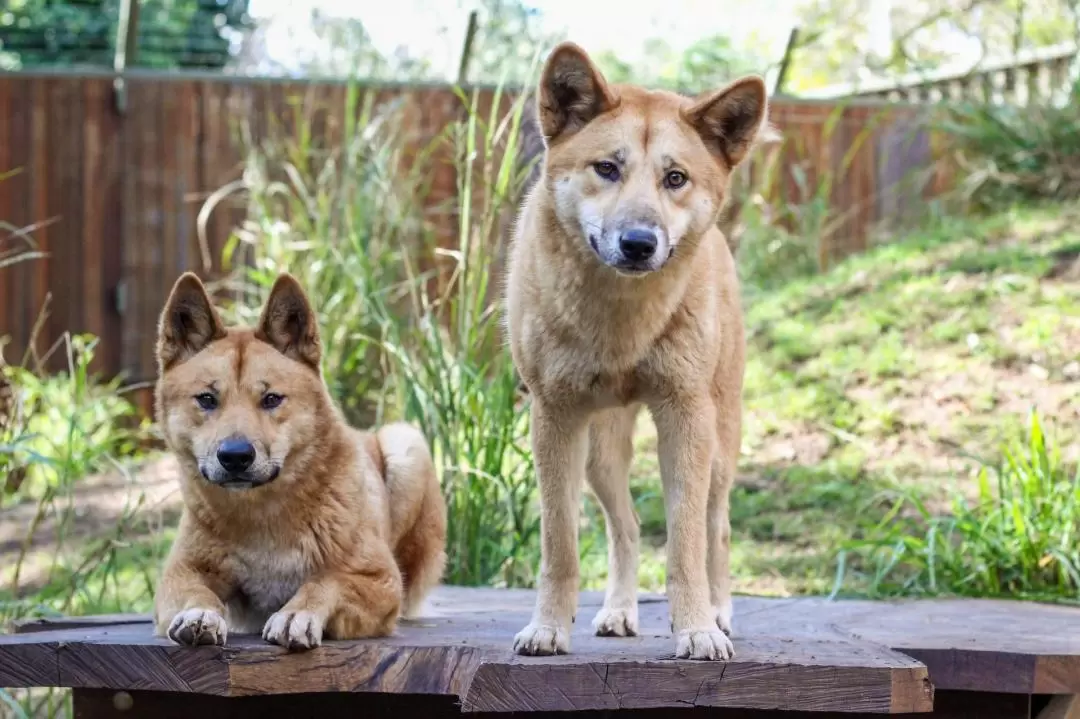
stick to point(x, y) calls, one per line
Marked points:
point(1018, 537)
point(887, 375)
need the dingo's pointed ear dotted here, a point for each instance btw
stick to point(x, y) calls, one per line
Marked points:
point(572, 92)
point(188, 323)
point(731, 119)
point(289, 324)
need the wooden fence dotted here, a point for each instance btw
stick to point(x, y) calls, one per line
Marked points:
point(115, 195)
point(1032, 76)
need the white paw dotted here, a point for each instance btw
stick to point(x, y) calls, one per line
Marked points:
point(707, 644)
point(723, 617)
point(541, 640)
point(296, 631)
point(616, 622)
point(193, 627)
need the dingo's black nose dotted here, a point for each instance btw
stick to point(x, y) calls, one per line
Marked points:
point(637, 244)
point(236, 454)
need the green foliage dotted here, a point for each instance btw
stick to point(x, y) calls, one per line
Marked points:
point(708, 63)
point(886, 372)
point(171, 33)
point(836, 45)
point(509, 38)
point(65, 425)
point(1015, 154)
point(453, 376)
point(1018, 537)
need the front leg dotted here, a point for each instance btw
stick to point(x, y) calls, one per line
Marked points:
point(611, 450)
point(559, 449)
point(355, 603)
point(686, 432)
point(187, 604)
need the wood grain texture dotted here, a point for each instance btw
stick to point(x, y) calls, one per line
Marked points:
point(109, 704)
point(972, 644)
point(799, 654)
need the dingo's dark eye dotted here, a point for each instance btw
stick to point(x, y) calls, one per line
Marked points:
point(607, 170)
point(272, 401)
point(675, 179)
point(206, 401)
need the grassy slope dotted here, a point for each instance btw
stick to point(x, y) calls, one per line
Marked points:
point(888, 370)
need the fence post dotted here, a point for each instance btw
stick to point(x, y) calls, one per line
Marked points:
point(466, 50)
point(127, 44)
point(785, 61)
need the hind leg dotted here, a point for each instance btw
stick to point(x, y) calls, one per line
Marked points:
point(719, 521)
point(719, 541)
point(611, 449)
point(417, 512)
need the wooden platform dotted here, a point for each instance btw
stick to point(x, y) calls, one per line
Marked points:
point(801, 655)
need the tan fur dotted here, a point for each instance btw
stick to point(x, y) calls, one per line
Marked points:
point(594, 340)
point(350, 534)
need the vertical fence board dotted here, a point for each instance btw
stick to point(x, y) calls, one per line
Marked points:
point(7, 242)
point(39, 167)
point(17, 279)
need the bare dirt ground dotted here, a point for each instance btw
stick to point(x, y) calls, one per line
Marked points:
point(145, 498)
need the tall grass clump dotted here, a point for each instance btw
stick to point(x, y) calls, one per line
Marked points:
point(407, 296)
point(339, 209)
point(452, 374)
point(1009, 154)
point(1019, 537)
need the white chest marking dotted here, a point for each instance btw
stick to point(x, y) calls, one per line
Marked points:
point(269, 577)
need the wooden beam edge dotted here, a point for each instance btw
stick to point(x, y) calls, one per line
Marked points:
point(977, 670)
point(516, 686)
point(912, 690)
point(1057, 674)
point(354, 668)
point(25, 666)
point(95, 621)
point(157, 667)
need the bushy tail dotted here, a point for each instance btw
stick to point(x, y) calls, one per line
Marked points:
point(417, 512)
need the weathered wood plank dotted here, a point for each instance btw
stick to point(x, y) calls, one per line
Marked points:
point(29, 661)
point(436, 661)
point(799, 654)
point(462, 649)
point(50, 624)
point(972, 644)
point(102, 704)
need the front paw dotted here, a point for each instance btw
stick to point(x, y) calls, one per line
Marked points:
point(612, 622)
point(193, 627)
point(542, 640)
point(296, 631)
point(706, 644)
